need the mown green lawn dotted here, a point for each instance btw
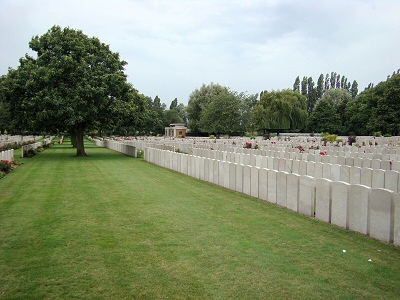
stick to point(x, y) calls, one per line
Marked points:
point(108, 226)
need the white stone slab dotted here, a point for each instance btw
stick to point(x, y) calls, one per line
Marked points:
point(366, 176)
point(392, 181)
point(323, 199)
point(311, 168)
point(318, 170)
point(272, 186)
point(281, 188)
point(254, 188)
point(306, 195)
point(327, 171)
point(339, 203)
point(247, 180)
point(303, 167)
point(378, 179)
point(335, 172)
point(263, 184)
point(381, 225)
point(355, 175)
point(345, 173)
point(232, 176)
point(358, 208)
point(296, 166)
point(215, 172)
point(396, 234)
point(292, 195)
point(239, 178)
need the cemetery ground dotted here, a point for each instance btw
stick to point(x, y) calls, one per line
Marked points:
point(109, 226)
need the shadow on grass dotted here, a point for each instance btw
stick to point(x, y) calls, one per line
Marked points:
point(66, 152)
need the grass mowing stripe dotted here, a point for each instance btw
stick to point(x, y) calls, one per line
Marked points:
point(110, 226)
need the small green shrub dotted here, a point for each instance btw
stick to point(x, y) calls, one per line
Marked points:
point(387, 135)
point(212, 137)
point(378, 134)
point(5, 166)
point(140, 154)
point(326, 137)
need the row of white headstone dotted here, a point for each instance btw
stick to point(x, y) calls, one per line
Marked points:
point(290, 169)
point(7, 155)
point(121, 147)
point(36, 145)
point(19, 139)
point(371, 211)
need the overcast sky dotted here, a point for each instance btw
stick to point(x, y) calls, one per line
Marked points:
point(172, 47)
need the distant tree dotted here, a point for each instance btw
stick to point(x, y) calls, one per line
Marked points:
point(359, 112)
point(386, 114)
point(304, 84)
point(182, 112)
point(5, 118)
point(338, 81)
point(158, 110)
point(248, 102)
point(333, 80)
point(326, 87)
point(198, 99)
point(75, 83)
point(311, 95)
point(338, 98)
point(324, 118)
point(354, 89)
point(376, 109)
point(174, 104)
point(296, 85)
point(320, 86)
point(281, 110)
point(171, 116)
point(222, 114)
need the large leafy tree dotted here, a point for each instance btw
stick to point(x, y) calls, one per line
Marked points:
point(376, 109)
point(222, 115)
point(248, 102)
point(329, 114)
point(281, 110)
point(74, 84)
point(324, 118)
point(198, 100)
point(5, 119)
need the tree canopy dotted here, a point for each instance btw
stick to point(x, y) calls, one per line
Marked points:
point(281, 110)
point(75, 83)
point(376, 109)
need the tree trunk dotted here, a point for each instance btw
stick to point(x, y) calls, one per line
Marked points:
point(80, 146)
point(73, 138)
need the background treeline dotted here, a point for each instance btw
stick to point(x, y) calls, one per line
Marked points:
point(76, 84)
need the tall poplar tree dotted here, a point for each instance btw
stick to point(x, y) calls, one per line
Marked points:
point(320, 86)
point(296, 85)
